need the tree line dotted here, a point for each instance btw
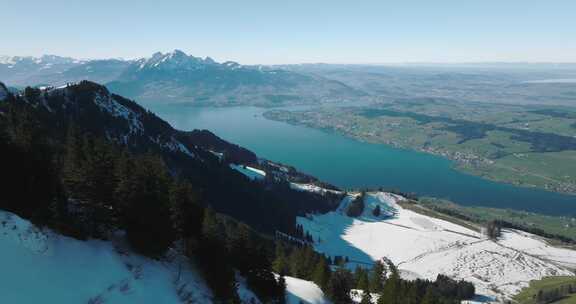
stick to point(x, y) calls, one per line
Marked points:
point(86, 187)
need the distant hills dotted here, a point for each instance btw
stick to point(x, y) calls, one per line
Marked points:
point(178, 77)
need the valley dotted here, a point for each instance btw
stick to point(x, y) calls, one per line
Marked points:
point(288, 152)
point(529, 146)
point(350, 163)
point(423, 247)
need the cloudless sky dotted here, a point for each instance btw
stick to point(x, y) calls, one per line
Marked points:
point(295, 31)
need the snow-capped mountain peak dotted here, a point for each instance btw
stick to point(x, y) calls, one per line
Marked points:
point(42, 60)
point(179, 60)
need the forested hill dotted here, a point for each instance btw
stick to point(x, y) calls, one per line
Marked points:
point(90, 164)
point(200, 157)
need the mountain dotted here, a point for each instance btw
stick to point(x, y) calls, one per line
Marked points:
point(88, 164)
point(185, 214)
point(178, 77)
point(199, 155)
point(20, 71)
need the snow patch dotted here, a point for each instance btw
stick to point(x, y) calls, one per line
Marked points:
point(251, 173)
point(312, 188)
point(107, 103)
point(302, 291)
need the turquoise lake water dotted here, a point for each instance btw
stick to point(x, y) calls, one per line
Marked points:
point(345, 162)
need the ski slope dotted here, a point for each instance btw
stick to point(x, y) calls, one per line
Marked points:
point(423, 247)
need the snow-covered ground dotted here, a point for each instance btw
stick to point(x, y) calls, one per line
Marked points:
point(312, 188)
point(251, 173)
point(40, 266)
point(302, 291)
point(424, 247)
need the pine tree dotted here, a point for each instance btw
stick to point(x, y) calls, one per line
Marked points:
point(321, 273)
point(366, 298)
point(376, 212)
point(429, 297)
point(186, 213)
point(339, 286)
point(376, 277)
point(72, 175)
point(280, 263)
point(361, 278)
point(391, 291)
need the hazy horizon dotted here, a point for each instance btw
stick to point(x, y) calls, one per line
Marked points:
point(262, 32)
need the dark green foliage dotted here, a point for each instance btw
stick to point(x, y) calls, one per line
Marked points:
point(361, 279)
point(321, 273)
point(339, 285)
point(30, 179)
point(376, 212)
point(391, 292)
point(554, 294)
point(356, 207)
point(377, 274)
point(493, 230)
point(366, 298)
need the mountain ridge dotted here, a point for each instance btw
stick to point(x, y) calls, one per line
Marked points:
point(178, 77)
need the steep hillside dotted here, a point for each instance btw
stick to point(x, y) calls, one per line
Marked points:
point(93, 165)
point(200, 156)
point(109, 271)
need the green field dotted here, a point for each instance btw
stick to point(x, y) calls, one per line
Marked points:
point(529, 295)
point(564, 226)
point(530, 146)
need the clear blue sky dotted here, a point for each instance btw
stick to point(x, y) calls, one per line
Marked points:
point(294, 31)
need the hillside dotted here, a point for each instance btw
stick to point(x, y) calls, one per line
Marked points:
point(423, 247)
point(109, 271)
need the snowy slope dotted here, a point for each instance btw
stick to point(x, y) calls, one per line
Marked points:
point(43, 267)
point(251, 173)
point(424, 247)
point(301, 291)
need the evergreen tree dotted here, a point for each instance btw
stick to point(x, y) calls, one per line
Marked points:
point(366, 298)
point(391, 293)
point(429, 296)
point(361, 279)
point(280, 263)
point(321, 273)
point(376, 212)
point(185, 209)
point(72, 175)
point(339, 286)
point(376, 277)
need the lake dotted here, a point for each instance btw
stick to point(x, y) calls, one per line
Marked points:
point(348, 163)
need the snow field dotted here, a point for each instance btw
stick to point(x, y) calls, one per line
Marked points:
point(422, 246)
point(42, 266)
